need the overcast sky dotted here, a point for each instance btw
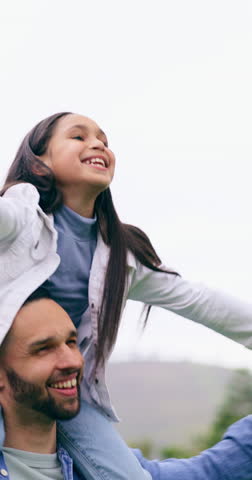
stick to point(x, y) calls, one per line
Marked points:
point(170, 83)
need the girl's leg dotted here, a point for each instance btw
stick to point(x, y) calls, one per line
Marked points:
point(97, 449)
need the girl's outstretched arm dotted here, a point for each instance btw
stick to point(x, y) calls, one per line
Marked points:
point(230, 459)
point(8, 219)
point(13, 207)
point(208, 306)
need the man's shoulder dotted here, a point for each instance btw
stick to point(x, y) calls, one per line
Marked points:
point(64, 458)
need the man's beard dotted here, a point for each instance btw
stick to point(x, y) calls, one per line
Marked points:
point(33, 396)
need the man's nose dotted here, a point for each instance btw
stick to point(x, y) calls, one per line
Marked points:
point(69, 358)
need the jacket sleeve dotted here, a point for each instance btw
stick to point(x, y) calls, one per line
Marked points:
point(13, 206)
point(9, 222)
point(215, 309)
point(230, 459)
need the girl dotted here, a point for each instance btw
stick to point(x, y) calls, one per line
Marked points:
point(59, 231)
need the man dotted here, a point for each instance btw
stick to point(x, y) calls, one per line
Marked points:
point(40, 373)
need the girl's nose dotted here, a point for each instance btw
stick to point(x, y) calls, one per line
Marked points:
point(96, 143)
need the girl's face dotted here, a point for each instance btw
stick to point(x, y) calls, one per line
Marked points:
point(78, 155)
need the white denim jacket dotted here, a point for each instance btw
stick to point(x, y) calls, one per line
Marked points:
point(28, 243)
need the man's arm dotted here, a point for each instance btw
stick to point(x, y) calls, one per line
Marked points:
point(230, 459)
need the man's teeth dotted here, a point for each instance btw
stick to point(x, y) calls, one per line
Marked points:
point(95, 161)
point(69, 384)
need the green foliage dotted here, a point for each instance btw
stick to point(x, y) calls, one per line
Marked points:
point(176, 452)
point(145, 446)
point(237, 404)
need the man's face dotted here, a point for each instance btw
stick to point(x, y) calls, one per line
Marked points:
point(41, 366)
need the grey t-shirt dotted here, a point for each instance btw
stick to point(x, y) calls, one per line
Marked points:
point(32, 466)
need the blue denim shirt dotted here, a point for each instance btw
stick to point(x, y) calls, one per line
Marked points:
point(230, 459)
point(69, 473)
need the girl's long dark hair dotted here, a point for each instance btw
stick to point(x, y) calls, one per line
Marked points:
point(27, 167)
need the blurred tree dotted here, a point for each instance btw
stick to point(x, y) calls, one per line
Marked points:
point(145, 446)
point(237, 404)
point(176, 452)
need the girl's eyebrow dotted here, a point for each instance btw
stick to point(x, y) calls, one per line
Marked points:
point(83, 127)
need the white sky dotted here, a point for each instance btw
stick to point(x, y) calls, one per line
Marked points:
point(170, 82)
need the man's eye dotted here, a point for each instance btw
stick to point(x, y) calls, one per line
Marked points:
point(72, 342)
point(45, 348)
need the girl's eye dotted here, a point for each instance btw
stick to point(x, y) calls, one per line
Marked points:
point(78, 137)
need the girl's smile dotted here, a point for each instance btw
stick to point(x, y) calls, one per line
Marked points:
point(97, 162)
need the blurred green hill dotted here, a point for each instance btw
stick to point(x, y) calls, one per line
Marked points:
point(166, 402)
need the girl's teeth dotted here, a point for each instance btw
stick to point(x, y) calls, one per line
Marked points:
point(94, 161)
